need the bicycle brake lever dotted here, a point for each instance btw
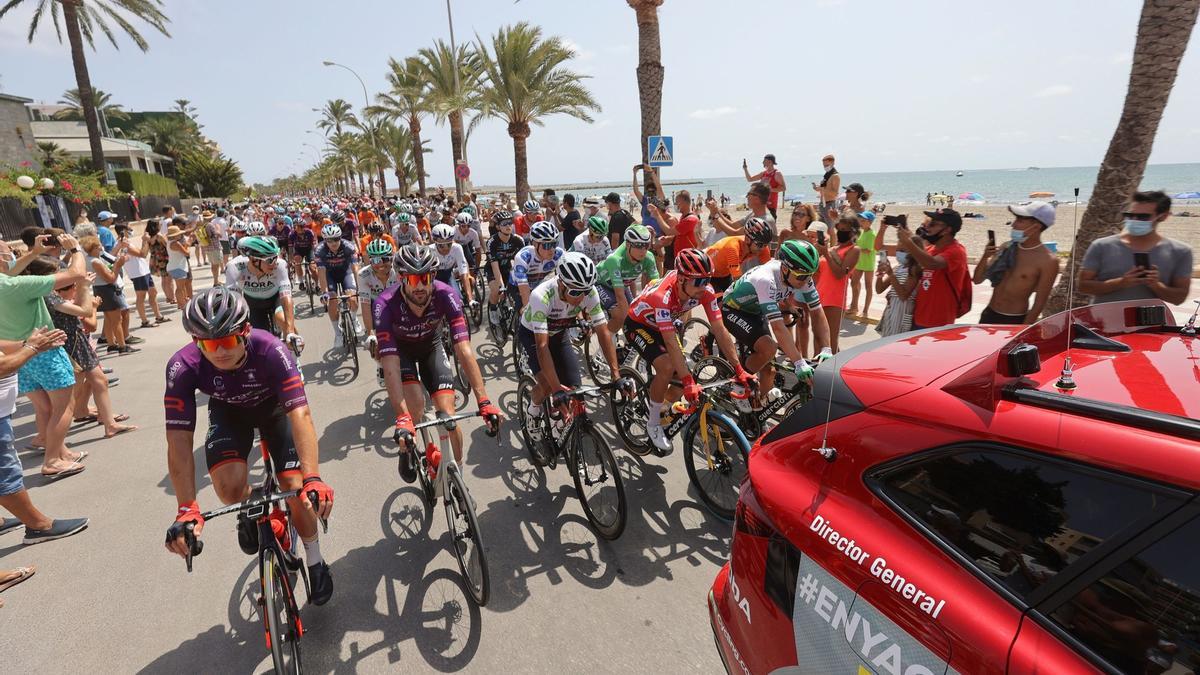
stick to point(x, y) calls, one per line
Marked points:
point(312, 499)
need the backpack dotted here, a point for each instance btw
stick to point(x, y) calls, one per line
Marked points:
point(962, 289)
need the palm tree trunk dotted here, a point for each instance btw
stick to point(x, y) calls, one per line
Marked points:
point(414, 128)
point(401, 183)
point(1163, 33)
point(456, 147)
point(520, 134)
point(382, 183)
point(83, 82)
point(649, 70)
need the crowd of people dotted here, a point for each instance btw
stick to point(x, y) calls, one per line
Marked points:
point(407, 266)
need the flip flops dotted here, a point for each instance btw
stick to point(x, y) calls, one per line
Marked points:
point(72, 469)
point(22, 573)
point(85, 419)
point(125, 430)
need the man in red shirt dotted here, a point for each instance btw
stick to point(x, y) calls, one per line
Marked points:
point(680, 232)
point(944, 279)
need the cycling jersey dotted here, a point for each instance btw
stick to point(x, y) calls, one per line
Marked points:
point(369, 285)
point(340, 259)
point(239, 277)
point(502, 252)
point(619, 269)
point(403, 236)
point(453, 260)
point(398, 327)
point(468, 241)
point(729, 254)
point(366, 240)
point(548, 314)
point(596, 250)
point(283, 235)
point(659, 304)
point(302, 239)
point(760, 290)
point(529, 269)
point(269, 372)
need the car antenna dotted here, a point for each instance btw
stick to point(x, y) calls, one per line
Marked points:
point(1065, 380)
point(1190, 328)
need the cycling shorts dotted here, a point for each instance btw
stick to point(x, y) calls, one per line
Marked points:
point(647, 341)
point(262, 312)
point(231, 435)
point(341, 280)
point(746, 328)
point(305, 253)
point(505, 272)
point(566, 359)
point(428, 364)
point(608, 297)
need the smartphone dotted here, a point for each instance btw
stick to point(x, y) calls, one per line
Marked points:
point(1142, 260)
point(992, 238)
point(710, 194)
point(882, 257)
point(891, 220)
point(820, 237)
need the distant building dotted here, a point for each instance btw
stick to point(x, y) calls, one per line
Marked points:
point(119, 153)
point(17, 142)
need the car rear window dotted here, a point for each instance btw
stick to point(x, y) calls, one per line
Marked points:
point(1018, 517)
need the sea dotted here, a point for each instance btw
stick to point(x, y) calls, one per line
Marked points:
point(995, 186)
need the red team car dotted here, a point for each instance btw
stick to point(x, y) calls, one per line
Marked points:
point(974, 513)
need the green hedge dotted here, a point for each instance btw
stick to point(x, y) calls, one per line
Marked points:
point(146, 183)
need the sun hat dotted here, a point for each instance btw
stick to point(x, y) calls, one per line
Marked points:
point(173, 232)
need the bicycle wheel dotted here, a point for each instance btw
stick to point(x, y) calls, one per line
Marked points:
point(630, 414)
point(717, 460)
point(539, 453)
point(427, 490)
point(598, 482)
point(693, 337)
point(283, 627)
point(465, 537)
point(593, 358)
point(310, 286)
point(350, 340)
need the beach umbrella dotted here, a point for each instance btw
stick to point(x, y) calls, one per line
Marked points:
point(1041, 195)
point(1186, 195)
point(971, 197)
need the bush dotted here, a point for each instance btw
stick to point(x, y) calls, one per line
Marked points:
point(73, 186)
point(144, 183)
point(218, 176)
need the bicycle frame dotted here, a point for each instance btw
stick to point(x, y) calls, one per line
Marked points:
point(446, 425)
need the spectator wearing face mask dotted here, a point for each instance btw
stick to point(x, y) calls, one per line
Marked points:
point(944, 291)
point(1020, 269)
point(900, 283)
point(1138, 263)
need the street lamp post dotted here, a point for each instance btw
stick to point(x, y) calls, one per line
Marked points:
point(366, 104)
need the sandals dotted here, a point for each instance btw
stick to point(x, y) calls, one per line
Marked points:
point(85, 419)
point(147, 324)
point(72, 469)
point(162, 319)
point(22, 573)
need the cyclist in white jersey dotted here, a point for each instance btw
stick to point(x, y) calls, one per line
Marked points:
point(452, 261)
point(594, 244)
point(374, 278)
point(404, 231)
point(259, 277)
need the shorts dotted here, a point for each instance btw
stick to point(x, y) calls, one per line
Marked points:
point(10, 464)
point(305, 253)
point(226, 247)
point(262, 311)
point(341, 280)
point(48, 371)
point(427, 364)
point(746, 328)
point(143, 283)
point(647, 341)
point(991, 316)
point(447, 277)
point(180, 275)
point(215, 256)
point(608, 297)
point(566, 359)
point(111, 299)
point(505, 272)
point(231, 435)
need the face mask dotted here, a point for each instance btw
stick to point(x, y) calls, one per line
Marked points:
point(1138, 228)
point(901, 258)
point(1017, 236)
point(931, 238)
point(843, 236)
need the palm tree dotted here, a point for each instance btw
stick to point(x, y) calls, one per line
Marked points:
point(168, 135)
point(104, 106)
point(396, 144)
point(405, 101)
point(448, 96)
point(83, 18)
point(649, 70)
point(337, 114)
point(51, 155)
point(526, 81)
point(1162, 37)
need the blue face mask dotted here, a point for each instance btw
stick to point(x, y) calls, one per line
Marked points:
point(901, 257)
point(1017, 236)
point(1139, 228)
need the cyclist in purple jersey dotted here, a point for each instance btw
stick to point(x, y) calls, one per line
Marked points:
point(336, 272)
point(281, 229)
point(302, 244)
point(253, 384)
point(408, 326)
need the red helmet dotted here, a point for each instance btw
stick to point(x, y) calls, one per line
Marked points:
point(693, 263)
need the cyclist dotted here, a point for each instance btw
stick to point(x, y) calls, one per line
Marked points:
point(258, 276)
point(281, 230)
point(534, 262)
point(595, 244)
point(752, 313)
point(503, 246)
point(303, 241)
point(237, 230)
point(256, 229)
point(252, 383)
point(466, 236)
point(347, 225)
point(650, 329)
point(559, 303)
point(731, 255)
point(409, 321)
point(403, 230)
point(452, 261)
point(623, 270)
point(373, 279)
point(531, 212)
point(336, 267)
point(374, 233)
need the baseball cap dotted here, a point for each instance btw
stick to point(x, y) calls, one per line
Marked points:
point(771, 157)
point(105, 215)
point(195, 209)
point(868, 216)
point(1042, 212)
point(612, 198)
point(949, 217)
point(856, 187)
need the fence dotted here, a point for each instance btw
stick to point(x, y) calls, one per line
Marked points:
point(14, 217)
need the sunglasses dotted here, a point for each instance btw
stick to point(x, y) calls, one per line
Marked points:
point(1138, 216)
point(802, 278)
point(210, 345)
point(548, 246)
point(379, 260)
point(419, 279)
point(443, 244)
point(639, 246)
point(699, 282)
point(266, 261)
point(333, 239)
point(574, 293)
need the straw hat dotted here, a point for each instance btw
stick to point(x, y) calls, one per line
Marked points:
point(206, 215)
point(173, 232)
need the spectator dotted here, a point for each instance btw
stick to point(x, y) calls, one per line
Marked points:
point(221, 225)
point(192, 222)
point(618, 219)
point(827, 191)
point(867, 246)
point(1023, 268)
point(772, 178)
point(856, 198)
point(168, 284)
point(651, 197)
point(756, 200)
point(137, 206)
point(1110, 272)
point(83, 228)
point(46, 378)
point(156, 242)
point(212, 244)
point(178, 265)
point(591, 207)
point(104, 223)
point(572, 223)
point(138, 270)
point(837, 261)
point(945, 285)
point(109, 286)
point(802, 218)
point(680, 232)
point(901, 285)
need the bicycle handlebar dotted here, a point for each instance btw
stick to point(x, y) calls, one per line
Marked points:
point(196, 547)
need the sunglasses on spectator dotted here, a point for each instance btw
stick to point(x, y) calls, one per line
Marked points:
point(1138, 216)
point(419, 279)
point(210, 345)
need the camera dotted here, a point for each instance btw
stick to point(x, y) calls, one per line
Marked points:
point(899, 221)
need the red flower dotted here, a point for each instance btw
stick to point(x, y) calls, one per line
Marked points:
point(26, 163)
point(77, 200)
point(65, 184)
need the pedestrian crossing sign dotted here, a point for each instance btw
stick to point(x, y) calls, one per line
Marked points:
point(661, 150)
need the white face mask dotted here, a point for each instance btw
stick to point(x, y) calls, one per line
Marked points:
point(9, 260)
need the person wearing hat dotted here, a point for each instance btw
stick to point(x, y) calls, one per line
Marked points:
point(945, 285)
point(618, 219)
point(771, 177)
point(104, 223)
point(867, 244)
point(1020, 268)
point(178, 265)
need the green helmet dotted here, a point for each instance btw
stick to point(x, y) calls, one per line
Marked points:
point(258, 247)
point(598, 225)
point(379, 248)
point(799, 255)
point(637, 234)
point(403, 218)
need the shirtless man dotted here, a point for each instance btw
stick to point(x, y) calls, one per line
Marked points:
point(827, 191)
point(1023, 268)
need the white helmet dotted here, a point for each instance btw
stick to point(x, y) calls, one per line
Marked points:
point(531, 206)
point(442, 233)
point(331, 232)
point(638, 234)
point(238, 226)
point(463, 218)
point(405, 207)
point(543, 232)
point(576, 271)
point(256, 229)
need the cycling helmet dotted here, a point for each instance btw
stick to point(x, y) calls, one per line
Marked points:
point(279, 211)
point(215, 312)
point(405, 208)
point(463, 219)
point(256, 229)
point(543, 232)
point(331, 232)
point(238, 227)
point(403, 217)
point(379, 248)
point(759, 231)
point(415, 259)
point(502, 217)
point(258, 247)
point(531, 206)
point(799, 255)
point(598, 225)
point(693, 263)
point(637, 234)
point(375, 227)
point(442, 234)
point(286, 220)
point(339, 217)
point(576, 271)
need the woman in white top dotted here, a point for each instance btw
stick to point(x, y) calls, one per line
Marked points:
point(138, 270)
point(178, 264)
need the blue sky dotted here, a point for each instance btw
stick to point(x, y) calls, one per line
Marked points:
point(887, 86)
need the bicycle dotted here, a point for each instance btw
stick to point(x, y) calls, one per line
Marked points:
point(349, 333)
point(479, 290)
point(717, 464)
point(441, 477)
point(787, 393)
point(500, 330)
point(593, 467)
point(278, 564)
point(308, 284)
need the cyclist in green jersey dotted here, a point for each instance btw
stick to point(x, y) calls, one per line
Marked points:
point(618, 275)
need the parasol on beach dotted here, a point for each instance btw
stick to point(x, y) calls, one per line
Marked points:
point(1041, 195)
point(1186, 195)
point(970, 197)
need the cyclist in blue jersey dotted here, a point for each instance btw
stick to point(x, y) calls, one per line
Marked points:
point(336, 269)
point(534, 262)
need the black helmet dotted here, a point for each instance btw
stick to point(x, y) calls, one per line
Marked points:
point(215, 312)
point(415, 259)
point(502, 217)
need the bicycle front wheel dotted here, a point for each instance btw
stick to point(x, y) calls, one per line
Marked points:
point(598, 483)
point(593, 358)
point(539, 452)
point(465, 536)
point(717, 458)
point(631, 414)
point(283, 622)
point(350, 340)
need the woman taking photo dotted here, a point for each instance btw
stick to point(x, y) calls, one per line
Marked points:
point(837, 261)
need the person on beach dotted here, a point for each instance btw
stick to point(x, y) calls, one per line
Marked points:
point(945, 285)
point(1021, 268)
point(756, 200)
point(772, 178)
point(856, 198)
point(868, 245)
point(901, 286)
point(837, 262)
point(801, 219)
point(827, 190)
point(178, 265)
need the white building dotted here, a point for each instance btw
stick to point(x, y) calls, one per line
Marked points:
point(119, 153)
